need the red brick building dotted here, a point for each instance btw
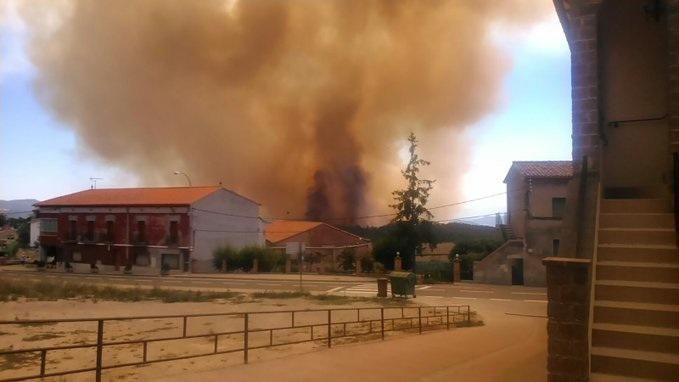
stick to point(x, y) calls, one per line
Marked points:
point(146, 227)
point(323, 243)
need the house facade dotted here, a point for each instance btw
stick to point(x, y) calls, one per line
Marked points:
point(536, 200)
point(146, 227)
point(613, 289)
point(323, 243)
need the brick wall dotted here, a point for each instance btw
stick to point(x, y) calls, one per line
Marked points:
point(568, 318)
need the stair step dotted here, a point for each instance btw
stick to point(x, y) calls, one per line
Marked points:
point(638, 252)
point(639, 284)
point(653, 236)
point(634, 363)
point(636, 337)
point(636, 206)
point(635, 292)
point(636, 220)
point(601, 377)
point(636, 313)
point(637, 271)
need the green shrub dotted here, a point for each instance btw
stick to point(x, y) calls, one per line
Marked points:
point(378, 267)
point(268, 259)
point(224, 253)
point(367, 263)
point(441, 271)
point(348, 259)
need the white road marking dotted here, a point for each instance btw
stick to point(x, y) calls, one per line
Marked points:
point(500, 299)
point(476, 291)
point(544, 301)
point(466, 298)
point(333, 290)
point(423, 287)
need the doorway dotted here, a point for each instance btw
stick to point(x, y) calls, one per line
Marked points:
point(517, 271)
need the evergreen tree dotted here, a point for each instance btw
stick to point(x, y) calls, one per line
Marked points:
point(413, 227)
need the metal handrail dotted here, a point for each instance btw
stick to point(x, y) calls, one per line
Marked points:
point(424, 322)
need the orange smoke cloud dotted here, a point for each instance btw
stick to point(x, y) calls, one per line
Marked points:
point(301, 105)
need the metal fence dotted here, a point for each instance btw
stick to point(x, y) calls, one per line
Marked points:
point(334, 324)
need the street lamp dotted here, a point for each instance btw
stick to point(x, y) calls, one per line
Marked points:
point(183, 173)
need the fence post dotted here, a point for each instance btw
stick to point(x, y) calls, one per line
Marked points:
point(447, 317)
point(184, 330)
point(245, 339)
point(419, 318)
point(145, 352)
point(329, 328)
point(382, 320)
point(469, 316)
point(43, 358)
point(100, 341)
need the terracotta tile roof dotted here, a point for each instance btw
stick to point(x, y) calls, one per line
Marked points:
point(152, 196)
point(541, 169)
point(282, 229)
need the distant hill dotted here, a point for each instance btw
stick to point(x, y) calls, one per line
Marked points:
point(18, 208)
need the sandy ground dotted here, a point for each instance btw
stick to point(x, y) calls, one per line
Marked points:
point(32, 336)
point(511, 347)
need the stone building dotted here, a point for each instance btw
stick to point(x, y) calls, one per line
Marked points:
point(536, 199)
point(323, 243)
point(146, 227)
point(614, 288)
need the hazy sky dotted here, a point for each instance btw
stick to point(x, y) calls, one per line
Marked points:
point(42, 158)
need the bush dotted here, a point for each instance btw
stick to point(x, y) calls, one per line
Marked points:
point(224, 253)
point(439, 270)
point(378, 267)
point(269, 260)
point(348, 259)
point(367, 263)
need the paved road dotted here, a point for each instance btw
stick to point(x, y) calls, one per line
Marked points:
point(464, 292)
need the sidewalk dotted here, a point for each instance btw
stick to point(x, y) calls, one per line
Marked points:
point(508, 349)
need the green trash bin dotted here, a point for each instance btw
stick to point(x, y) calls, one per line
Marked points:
point(402, 283)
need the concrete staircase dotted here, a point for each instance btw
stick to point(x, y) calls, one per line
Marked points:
point(635, 330)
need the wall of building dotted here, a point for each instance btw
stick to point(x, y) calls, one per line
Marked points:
point(124, 245)
point(496, 268)
point(223, 219)
point(634, 73)
point(542, 191)
point(516, 204)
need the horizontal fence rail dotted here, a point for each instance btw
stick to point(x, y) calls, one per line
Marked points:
point(331, 324)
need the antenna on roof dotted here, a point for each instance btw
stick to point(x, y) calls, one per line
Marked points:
point(93, 182)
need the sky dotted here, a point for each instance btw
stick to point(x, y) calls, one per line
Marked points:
point(42, 157)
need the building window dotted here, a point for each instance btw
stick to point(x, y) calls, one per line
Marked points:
point(555, 247)
point(48, 225)
point(141, 231)
point(174, 232)
point(73, 229)
point(109, 231)
point(90, 230)
point(558, 207)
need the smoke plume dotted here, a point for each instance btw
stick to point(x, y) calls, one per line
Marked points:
point(302, 105)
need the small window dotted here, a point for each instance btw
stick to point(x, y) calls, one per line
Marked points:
point(90, 230)
point(558, 207)
point(555, 247)
point(73, 230)
point(174, 232)
point(141, 231)
point(109, 230)
point(48, 225)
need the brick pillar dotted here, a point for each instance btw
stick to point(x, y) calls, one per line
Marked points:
point(359, 266)
point(568, 318)
point(398, 265)
point(288, 264)
point(587, 135)
point(255, 266)
point(456, 271)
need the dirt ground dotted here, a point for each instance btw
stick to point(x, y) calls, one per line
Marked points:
point(34, 335)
